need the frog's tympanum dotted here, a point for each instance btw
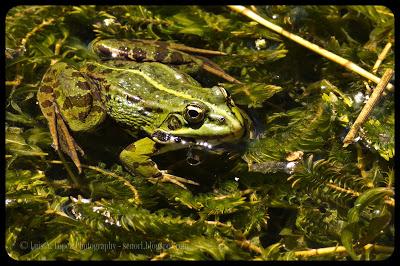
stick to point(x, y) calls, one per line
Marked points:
point(144, 87)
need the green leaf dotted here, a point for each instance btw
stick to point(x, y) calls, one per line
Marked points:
point(352, 231)
point(379, 134)
point(16, 144)
point(252, 94)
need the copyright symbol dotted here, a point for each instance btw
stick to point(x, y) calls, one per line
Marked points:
point(23, 244)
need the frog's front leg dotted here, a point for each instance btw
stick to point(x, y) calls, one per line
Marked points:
point(137, 158)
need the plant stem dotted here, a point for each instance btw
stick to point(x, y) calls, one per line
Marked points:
point(36, 29)
point(367, 109)
point(347, 191)
point(315, 48)
point(381, 57)
point(71, 174)
point(120, 178)
point(340, 249)
point(361, 163)
point(389, 201)
point(246, 244)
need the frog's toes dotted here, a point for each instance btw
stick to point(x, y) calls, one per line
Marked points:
point(67, 142)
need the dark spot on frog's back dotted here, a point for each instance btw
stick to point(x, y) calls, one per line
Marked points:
point(46, 89)
point(78, 101)
point(161, 54)
point(176, 57)
point(96, 95)
point(104, 50)
point(90, 67)
point(106, 71)
point(106, 87)
point(46, 104)
point(76, 74)
point(119, 64)
point(138, 54)
point(148, 109)
point(83, 85)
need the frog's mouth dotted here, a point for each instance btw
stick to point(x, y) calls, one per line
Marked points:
point(168, 138)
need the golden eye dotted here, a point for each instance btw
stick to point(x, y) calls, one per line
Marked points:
point(194, 113)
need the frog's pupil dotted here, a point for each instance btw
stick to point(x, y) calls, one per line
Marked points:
point(193, 113)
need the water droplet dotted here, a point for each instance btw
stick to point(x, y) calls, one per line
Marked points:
point(359, 98)
point(290, 167)
point(108, 21)
point(260, 44)
point(377, 212)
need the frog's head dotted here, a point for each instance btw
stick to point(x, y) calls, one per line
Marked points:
point(207, 121)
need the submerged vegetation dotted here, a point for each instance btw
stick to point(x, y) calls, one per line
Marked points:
point(294, 192)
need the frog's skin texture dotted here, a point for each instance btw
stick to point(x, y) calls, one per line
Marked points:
point(131, 82)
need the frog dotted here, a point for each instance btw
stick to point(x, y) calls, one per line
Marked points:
point(145, 87)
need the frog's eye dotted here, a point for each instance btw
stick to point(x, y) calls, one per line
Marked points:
point(194, 113)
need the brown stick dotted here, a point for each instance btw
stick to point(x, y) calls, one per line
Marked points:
point(185, 48)
point(381, 57)
point(367, 109)
point(313, 47)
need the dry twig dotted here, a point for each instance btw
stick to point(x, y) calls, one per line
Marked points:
point(367, 109)
point(381, 57)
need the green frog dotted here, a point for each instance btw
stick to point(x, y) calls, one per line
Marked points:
point(145, 87)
